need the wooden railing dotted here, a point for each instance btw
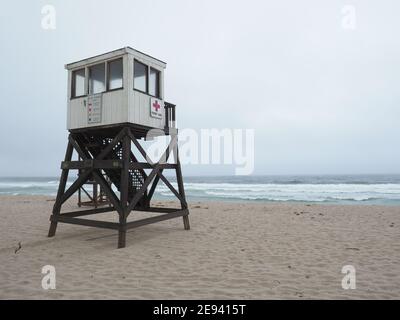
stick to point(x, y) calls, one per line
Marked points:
point(169, 115)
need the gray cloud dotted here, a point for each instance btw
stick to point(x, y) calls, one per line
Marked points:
point(321, 99)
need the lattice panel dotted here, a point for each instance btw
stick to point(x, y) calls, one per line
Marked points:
point(98, 143)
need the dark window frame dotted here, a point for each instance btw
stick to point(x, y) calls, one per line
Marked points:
point(108, 75)
point(86, 70)
point(147, 76)
point(73, 83)
point(105, 77)
point(158, 81)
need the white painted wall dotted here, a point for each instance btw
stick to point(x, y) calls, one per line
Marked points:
point(119, 106)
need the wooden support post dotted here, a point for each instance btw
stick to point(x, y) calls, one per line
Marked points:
point(181, 188)
point(61, 190)
point(126, 152)
point(80, 189)
point(95, 194)
point(122, 236)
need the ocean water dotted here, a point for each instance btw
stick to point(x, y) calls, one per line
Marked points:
point(341, 189)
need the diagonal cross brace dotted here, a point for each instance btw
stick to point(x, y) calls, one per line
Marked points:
point(156, 174)
point(83, 177)
point(98, 177)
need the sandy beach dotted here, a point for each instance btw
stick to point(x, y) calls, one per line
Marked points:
point(233, 251)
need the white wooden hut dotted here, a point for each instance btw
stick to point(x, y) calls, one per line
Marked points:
point(124, 86)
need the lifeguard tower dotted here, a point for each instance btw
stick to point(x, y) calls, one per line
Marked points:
point(115, 100)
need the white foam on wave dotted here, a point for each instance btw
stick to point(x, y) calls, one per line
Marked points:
point(340, 192)
point(294, 192)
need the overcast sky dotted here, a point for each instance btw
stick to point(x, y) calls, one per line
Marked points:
point(321, 98)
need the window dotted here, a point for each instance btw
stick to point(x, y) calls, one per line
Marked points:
point(154, 83)
point(97, 78)
point(115, 74)
point(140, 76)
point(78, 83)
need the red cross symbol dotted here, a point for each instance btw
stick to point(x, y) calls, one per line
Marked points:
point(156, 105)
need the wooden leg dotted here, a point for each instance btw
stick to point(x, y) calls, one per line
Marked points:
point(52, 230)
point(79, 190)
point(80, 197)
point(126, 149)
point(61, 190)
point(186, 223)
point(95, 195)
point(121, 238)
point(181, 188)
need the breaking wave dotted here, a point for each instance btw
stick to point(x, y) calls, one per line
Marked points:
point(377, 189)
